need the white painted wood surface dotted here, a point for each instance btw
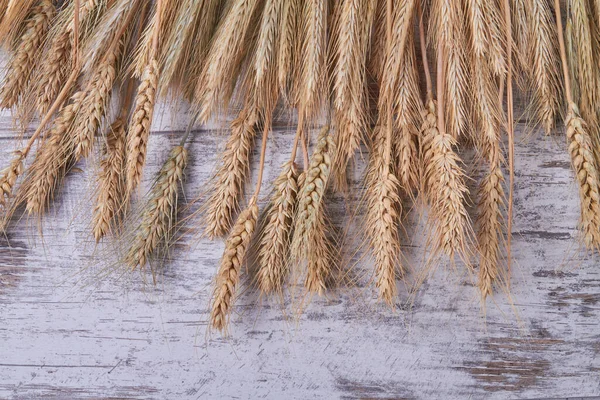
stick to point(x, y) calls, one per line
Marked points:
point(69, 332)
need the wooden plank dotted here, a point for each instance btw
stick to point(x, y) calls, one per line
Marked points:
point(70, 332)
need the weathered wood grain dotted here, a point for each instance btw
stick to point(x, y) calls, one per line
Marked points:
point(71, 330)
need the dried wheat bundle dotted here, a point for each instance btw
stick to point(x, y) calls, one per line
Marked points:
point(89, 74)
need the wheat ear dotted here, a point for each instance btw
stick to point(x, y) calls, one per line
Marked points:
point(228, 183)
point(94, 105)
point(228, 276)
point(407, 107)
point(543, 56)
point(275, 240)
point(24, 59)
point(159, 213)
point(288, 54)
point(9, 177)
point(224, 57)
point(582, 159)
point(383, 217)
point(349, 79)
point(584, 64)
point(139, 126)
point(489, 224)
point(309, 240)
point(52, 160)
point(111, 182)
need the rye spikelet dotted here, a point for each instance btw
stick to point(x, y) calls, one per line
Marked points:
point(228, 184)
point(111, 182)
point(543, 58)
point(582, 159)
point(383, 218)
point(159, 213)
point(9, 177)
point(309, 241)
point(275, 240)
point(234, 257)
point(349, 81)
point(25, 57)
point(139, 126)
point(224, 57)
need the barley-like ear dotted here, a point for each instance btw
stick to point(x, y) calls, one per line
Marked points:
point(383, 218)
point(224, 57)
point(349, 81)
point(26, 54)
point(139, 126)
point(111, 182)
point(234, 257)
point(446, 190)
point(228, 184)
point(160, 211)
point(13, 14)
point(309, 241)
point(8, 177)
point(582, 159)
point(543, 58)
point(275, 240)
point(489, 224)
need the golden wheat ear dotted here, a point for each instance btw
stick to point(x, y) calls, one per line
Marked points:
point(25, 57)
point(275, 238)
point(228, 183)
point(160, 211)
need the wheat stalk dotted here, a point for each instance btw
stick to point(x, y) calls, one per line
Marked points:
point(159, 212)
point(111, 182)
point(24, 58)
point(224, 57)
point(543, 56)
point(234, 256)
point(275, 240)
point(229, 180)
point(139, 126)
point(14, 14)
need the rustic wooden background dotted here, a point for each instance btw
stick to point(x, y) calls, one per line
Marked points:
point(69, 329)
